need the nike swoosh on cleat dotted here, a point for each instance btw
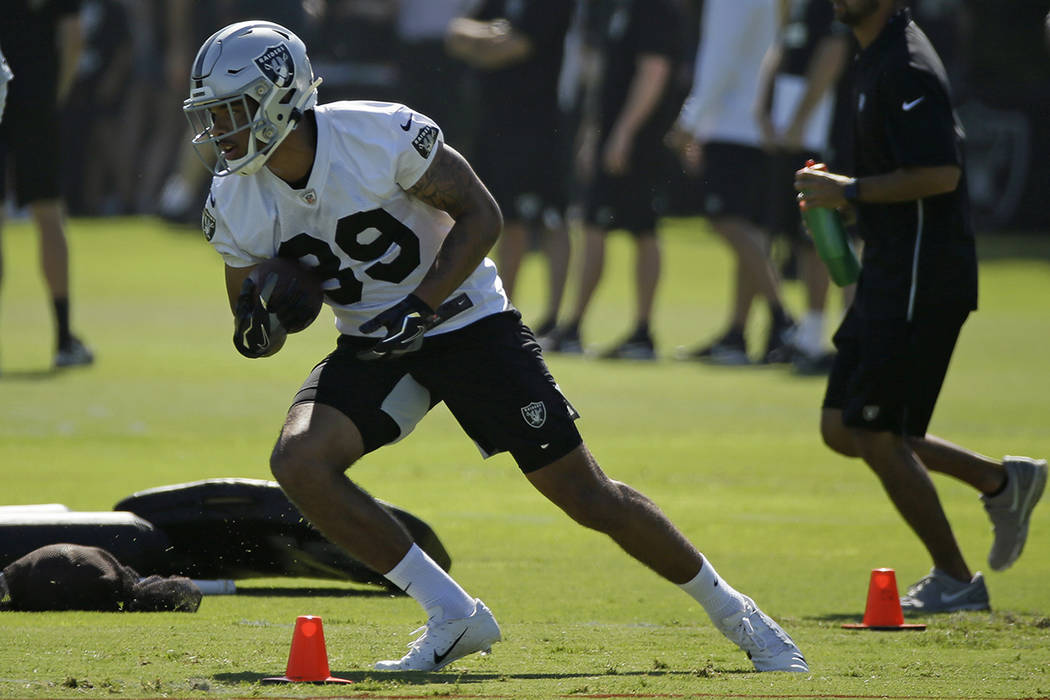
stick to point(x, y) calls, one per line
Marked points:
point(949, 598)
point(438, 658)
point(908, 106)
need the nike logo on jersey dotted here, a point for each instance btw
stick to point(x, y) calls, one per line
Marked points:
point(408, 124)
point(438, 658)
point(909, 106)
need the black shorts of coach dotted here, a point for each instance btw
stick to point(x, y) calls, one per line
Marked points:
point(888, 373)
point(490, 374)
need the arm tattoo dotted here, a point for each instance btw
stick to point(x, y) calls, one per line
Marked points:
point(447, 183)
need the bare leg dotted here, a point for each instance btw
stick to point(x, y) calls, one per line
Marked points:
point(744, 292)
point(908, 484)
point(557, 248)
point(317, 444)
point(747, 241)
point(646, 274)
point(815, 276)
point(54, 251)
point(577, 485)
point(591, 266)
point(983, 473)
point(513, 243)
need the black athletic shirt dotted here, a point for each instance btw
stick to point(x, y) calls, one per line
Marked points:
point(628, 29)
point(919, 256)
point(525, 95)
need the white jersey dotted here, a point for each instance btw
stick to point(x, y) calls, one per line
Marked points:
point(735, 37)
point(354, 223)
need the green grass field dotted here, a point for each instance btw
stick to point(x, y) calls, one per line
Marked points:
point(732, 455)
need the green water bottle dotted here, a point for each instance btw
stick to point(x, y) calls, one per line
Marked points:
point(831, 239)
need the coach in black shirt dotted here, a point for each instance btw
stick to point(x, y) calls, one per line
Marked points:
point(917, 286)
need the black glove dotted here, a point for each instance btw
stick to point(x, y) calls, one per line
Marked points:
point(288, 299)
point(405, 322)
point(256, 332)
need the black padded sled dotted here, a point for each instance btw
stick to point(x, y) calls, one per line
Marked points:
point(128, 537)
point(247, 528)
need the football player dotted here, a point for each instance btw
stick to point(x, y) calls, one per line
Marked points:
point(397, 225)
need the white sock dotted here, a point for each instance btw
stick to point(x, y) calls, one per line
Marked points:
point(809, 338)
point(718, 598)
point(420, 577)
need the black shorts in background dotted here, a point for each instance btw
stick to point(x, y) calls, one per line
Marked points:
point(490, 374)
point(525, 172)
point(734, 182)
point(31, 142)
point(888, 373)
point(633, 201)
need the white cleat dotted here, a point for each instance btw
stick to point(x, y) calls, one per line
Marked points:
point(442, 642)
point(767, 645)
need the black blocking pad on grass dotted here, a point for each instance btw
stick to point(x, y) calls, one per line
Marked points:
point(211, 529)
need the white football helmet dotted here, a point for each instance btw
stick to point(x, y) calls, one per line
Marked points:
point(262, 67)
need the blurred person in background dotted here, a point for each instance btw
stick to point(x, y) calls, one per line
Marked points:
point(42, 42)
point(423, 320)
point(516, 48)
point(918, 285)
point(633, 47)
point(5, 78)
point(718, 134)
point(429, 79)
point(185, 24)
point(796, 91)
point(97, 179)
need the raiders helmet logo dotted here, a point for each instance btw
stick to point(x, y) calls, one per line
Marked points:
point(277, 65)
point(208, 224)
point(535, 414)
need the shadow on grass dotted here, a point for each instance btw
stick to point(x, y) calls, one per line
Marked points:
point(314, 592)
point(28, 375)
point(424, 678)
point(836, 617)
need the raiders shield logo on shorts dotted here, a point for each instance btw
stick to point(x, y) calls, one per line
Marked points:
point(535, 414)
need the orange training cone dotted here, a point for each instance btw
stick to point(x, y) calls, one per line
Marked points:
point(883, 611)
point(308, 659)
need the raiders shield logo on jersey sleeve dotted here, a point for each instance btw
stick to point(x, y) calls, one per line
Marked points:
point(425, 140)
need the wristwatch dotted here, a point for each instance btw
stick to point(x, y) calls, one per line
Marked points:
point(850, 192)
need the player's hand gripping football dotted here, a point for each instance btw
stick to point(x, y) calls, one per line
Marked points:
point(405, 322)
point(257, 332)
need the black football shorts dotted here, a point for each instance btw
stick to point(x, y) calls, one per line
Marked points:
point(490, 374)
point(888, 373)
point(733, 181)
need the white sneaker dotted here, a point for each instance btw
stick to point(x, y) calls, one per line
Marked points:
point(443, 642)
point(1011, 510)
point(767, 645)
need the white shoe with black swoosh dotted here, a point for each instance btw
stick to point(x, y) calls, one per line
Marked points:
point(767, 645)
point(444, 641)
point(937, 592)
